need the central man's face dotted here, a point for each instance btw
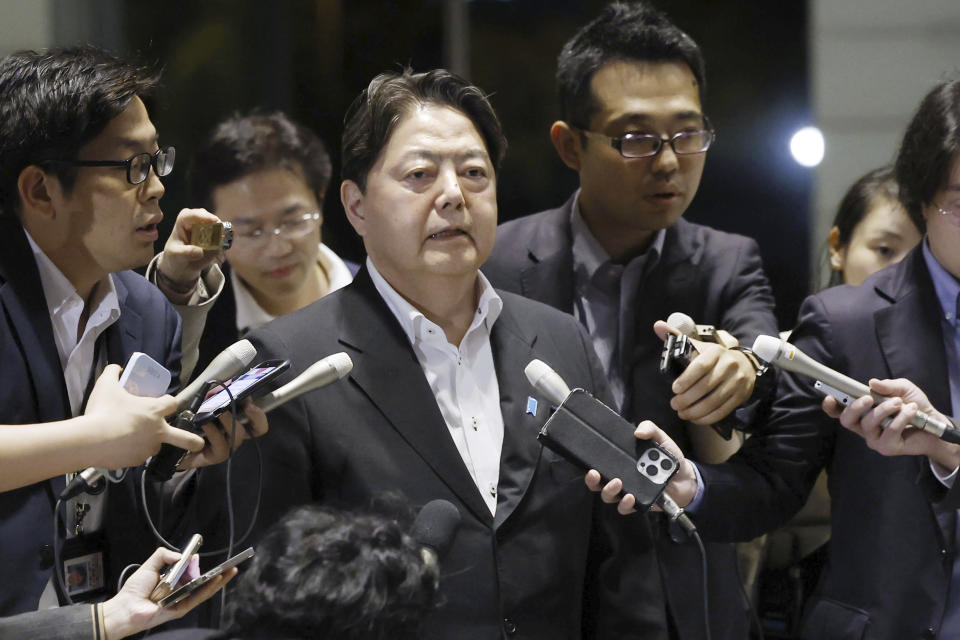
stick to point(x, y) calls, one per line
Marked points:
point(430, 203)
point(641, 194)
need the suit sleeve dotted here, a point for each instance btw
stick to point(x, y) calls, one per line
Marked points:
point(768, 480)
point(65, 623)
point(747, 298)
point(623, 597)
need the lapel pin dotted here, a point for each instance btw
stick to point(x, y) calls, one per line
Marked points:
point(532, 406)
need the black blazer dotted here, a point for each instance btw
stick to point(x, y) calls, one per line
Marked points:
point(892, 546)
point(553, 559)
point(32, 389)
point(220, 328)
point(714, 277)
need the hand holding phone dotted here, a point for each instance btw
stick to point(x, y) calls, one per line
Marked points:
point(184, 591)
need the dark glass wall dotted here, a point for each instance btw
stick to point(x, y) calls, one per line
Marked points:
point(312, 58)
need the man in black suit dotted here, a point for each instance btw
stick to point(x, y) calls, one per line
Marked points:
point(80, 170)
point(437, 404)
point(619, 256)
point(893, 571)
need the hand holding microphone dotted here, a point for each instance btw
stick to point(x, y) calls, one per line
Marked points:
point(880, 413)
point(716, 381)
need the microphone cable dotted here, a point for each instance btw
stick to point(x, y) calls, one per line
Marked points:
point(675, 513)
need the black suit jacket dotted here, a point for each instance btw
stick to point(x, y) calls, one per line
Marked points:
point(220, 329)
point(892, 547)
point(552, 560)
point(714, 277)
point(32, 389)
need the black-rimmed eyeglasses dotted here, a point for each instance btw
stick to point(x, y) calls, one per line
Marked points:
point(641, 145)
point(138, 165)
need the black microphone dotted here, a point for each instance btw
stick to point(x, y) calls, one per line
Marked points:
point(434, 529)
point(231, 361)
point(833, 383)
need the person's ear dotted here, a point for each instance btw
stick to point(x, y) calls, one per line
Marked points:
point(352, 198)
point(38, 191)
point(567, 141)
point(837, 251)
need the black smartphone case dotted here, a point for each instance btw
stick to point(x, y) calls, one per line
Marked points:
point(592, 436)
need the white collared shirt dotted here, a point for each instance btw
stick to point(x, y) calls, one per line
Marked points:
point(66, 307)
point(79, 359)
point(251, 315)
point(463, 380)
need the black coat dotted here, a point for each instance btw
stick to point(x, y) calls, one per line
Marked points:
point(553, 559)
point(715, 278)
point(892, 545)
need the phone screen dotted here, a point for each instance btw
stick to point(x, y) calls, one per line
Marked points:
point(240, 386)
point(183, 592)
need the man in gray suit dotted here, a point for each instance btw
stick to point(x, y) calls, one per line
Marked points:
point(437, 404)
point(619, 256)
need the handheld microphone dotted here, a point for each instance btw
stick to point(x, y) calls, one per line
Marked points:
point(434, 529)
point(319, 374)
point(612, 451)
point(547, 381)
point(684, 324)
point(231, 361)
point(786, 356)
point(228, 363)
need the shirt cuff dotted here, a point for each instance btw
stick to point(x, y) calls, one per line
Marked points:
point(945, 480)
point(698, 498)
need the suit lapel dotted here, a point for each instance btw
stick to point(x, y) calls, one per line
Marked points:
point(549, 274)
point(29, 318)
point(512, 350)
point(911, 340)
point(388, 372)
point(124, 336)
point(909, 332)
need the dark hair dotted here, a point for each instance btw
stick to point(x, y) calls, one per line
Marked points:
point(857, 201)
point(245, 144)
point(53, 103)
point(321, 573)
point(929, 148)
point(377, 111)
point(633, 32)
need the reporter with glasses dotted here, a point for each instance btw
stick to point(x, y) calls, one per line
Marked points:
point(267, 176)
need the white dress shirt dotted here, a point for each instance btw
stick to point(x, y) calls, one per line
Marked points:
point(251, 315)
point(79, 359)
point(463, 379)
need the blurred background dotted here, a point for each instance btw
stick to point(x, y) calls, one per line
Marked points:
point(855, 69)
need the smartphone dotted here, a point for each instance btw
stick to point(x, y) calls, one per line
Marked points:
point(592, 436)
point(241, 386)
point(144, 376)
point(183, 592)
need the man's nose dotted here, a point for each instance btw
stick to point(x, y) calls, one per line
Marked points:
point(152, 187)
point(666, 160)
point(450, 196)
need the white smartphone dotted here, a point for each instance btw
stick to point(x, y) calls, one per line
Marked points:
point(182, 592)
point(144, 376)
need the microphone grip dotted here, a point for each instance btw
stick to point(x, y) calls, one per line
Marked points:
point(162, 466)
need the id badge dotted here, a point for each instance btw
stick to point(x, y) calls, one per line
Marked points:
point(84, 566)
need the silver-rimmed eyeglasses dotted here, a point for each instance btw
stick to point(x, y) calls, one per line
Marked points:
point(292, 228)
